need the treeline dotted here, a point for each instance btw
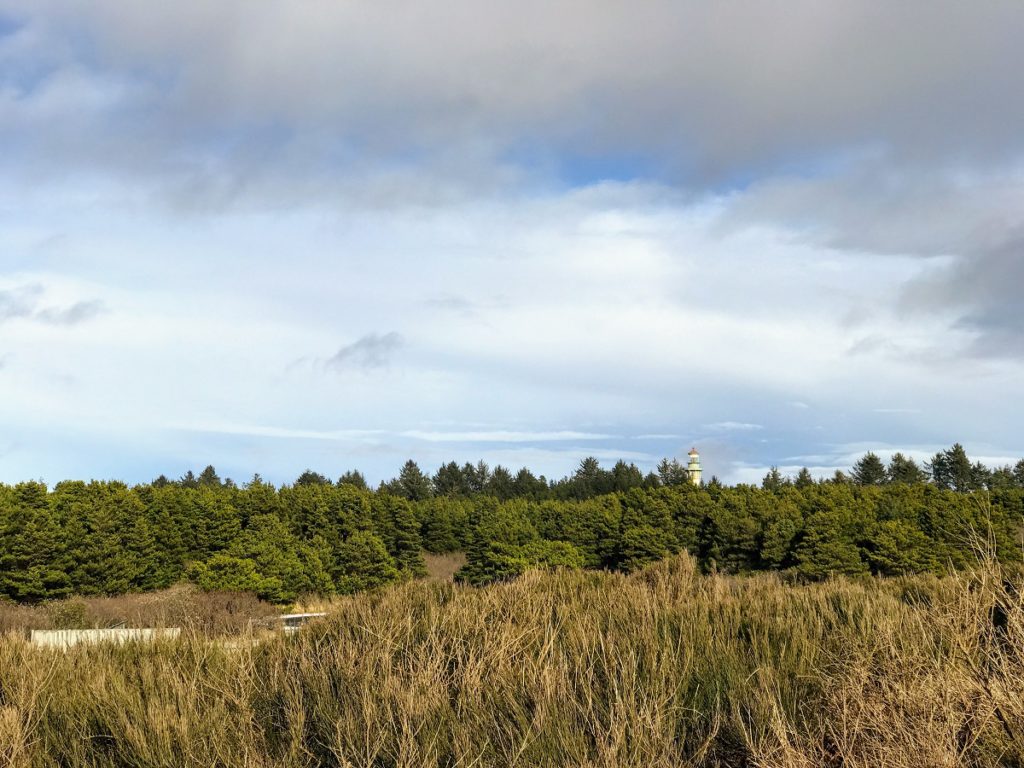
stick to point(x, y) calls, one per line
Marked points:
point(950, 469)
point(108, 538)
point(319, 536)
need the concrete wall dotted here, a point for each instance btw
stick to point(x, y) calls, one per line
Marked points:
point(65, 638)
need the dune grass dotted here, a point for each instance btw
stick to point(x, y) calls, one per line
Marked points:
point(183, 605)
point(666, 667)
point(443, 566)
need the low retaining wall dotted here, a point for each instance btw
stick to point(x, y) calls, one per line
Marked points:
point(65, 638)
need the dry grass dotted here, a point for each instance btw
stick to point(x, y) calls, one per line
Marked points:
point(180, 606)
point(662, 668)
point(442, 567)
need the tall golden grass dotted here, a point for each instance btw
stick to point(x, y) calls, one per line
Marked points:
point(666, 667)
point(182, 605)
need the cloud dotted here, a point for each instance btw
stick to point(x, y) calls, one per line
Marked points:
point(284, 433)
point(451, 303)
point(949, 239)
point(503, 436)
point(229, 100)
point(79, 312)
point(980, 290)
point(18, 302)
point(733, 426)
point(751, 213)
point(24, 303)
point(369, 352)
point(376, 435)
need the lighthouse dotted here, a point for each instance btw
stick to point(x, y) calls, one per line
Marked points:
point(693, 467)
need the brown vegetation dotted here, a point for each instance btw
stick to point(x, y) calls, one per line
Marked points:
point(180, 606)
point(665, 667)
point(442, 567)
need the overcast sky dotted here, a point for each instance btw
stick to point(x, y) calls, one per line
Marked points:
point(278, 235)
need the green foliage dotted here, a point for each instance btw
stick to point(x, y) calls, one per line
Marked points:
point(364, 563)
point(411, 484)
point(281, 558)
point(903, 469)
point(309, 477)
point(803, 478)
point(317, 537)
point(952, 470)
point(827, 548)
point(502, 560)
point(869, 470)
point(223, 572)
point(672, 473)
point(774, 480)
point(354, 478)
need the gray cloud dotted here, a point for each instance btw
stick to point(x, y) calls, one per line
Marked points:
point(888, 209)
point(982, 290)
point(967, 227)
point(225, 97)
point(18, 302)
point(451, 303)
point(79, 312)
point(24, 303)
point(371, 351)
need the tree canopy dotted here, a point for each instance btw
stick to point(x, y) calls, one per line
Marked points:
point(322, 537)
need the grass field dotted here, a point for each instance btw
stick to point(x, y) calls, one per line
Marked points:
point(666, 667)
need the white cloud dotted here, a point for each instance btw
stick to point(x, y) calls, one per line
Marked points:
point(503, 436)
point(733, 426)
point(815, 221)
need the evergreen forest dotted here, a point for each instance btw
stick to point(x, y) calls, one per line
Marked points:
point(323, 536)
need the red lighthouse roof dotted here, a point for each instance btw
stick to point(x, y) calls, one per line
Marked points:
point(693, 452)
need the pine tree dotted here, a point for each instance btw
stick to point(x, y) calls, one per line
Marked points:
point(209, 478)
point(1018, 473)
point(363, 562)
point(309, 477)
point(526, 485)
point(450, 480)
point(477, 476)
point(952, 470)
point(903, 469)
point(412, 483)
point(626, 476)
point(672, 473)
point(500, 485)
point(827, 548)
point(354, 478)
point(278, 555)
point(774, 480)
point(981, 476)
point(869, 470)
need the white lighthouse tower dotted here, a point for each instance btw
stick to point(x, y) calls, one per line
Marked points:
point(693, 467)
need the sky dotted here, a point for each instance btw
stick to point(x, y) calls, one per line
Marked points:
point(338, 235)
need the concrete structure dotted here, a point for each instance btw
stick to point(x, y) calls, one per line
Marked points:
point(693, 469)
point(292, 622)
point(65, 638)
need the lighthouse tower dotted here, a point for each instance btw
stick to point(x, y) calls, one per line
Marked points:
point(693, 467)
